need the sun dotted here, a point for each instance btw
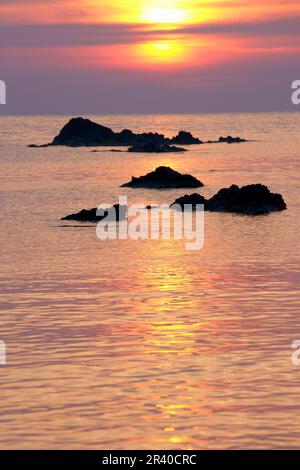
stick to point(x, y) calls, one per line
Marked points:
point(165, 15)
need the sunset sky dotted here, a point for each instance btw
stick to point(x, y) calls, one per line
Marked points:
point(139, 56)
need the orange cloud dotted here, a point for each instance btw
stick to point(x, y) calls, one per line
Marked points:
point(147, 33)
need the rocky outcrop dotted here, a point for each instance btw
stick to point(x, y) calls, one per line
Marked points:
point(90, 215)
point(191, 200)
point(79, 132)
point(231, 140)
point(163, 178)
point(185, 138)
point(154, 148)
point(254, 199)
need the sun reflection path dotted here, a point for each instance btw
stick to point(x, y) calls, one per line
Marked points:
point(161, 52)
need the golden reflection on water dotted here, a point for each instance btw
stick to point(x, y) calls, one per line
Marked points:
point(166, 335)
point(127, 344)
point(162, 52)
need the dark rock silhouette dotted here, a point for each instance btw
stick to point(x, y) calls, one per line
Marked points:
point(192, 200)
point(83, 132)
point(110, 150)
point(231, 140)
point(185, 138)
point(79, 132)
point(154, 148)
point(34, 146)
point(162, 178)
point(254, 199)
point(90, 215)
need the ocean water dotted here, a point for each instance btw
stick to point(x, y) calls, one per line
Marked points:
point(143, 344)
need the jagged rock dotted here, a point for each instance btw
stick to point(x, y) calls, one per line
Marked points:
point(185, 138)
point(79, 132)
point(90, 215)
point(254, 199)
point(154, 148)
point(164, 177)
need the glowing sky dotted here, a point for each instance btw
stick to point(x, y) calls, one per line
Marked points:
point(148, 56)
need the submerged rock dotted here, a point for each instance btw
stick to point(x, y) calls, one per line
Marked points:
point(90, 215)
point(80, 132)
point(35, 146)
point(110, 150)
point(154, 148)
point(162, 178)
point(254, 199)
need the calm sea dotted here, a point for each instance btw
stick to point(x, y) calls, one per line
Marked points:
point(142, 344)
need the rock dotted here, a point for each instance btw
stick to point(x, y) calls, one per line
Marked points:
point(164, 177)
point(231, 140)
point(34, 146)
point(191, 200)
point(90, 215)
point(185, 138)
point(154, 148)
point(80, 132)
point(127, 134)
point(254, 199)
point(83, 132)
point(110, 150)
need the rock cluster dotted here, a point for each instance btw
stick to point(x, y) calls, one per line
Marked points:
point(254, 199)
